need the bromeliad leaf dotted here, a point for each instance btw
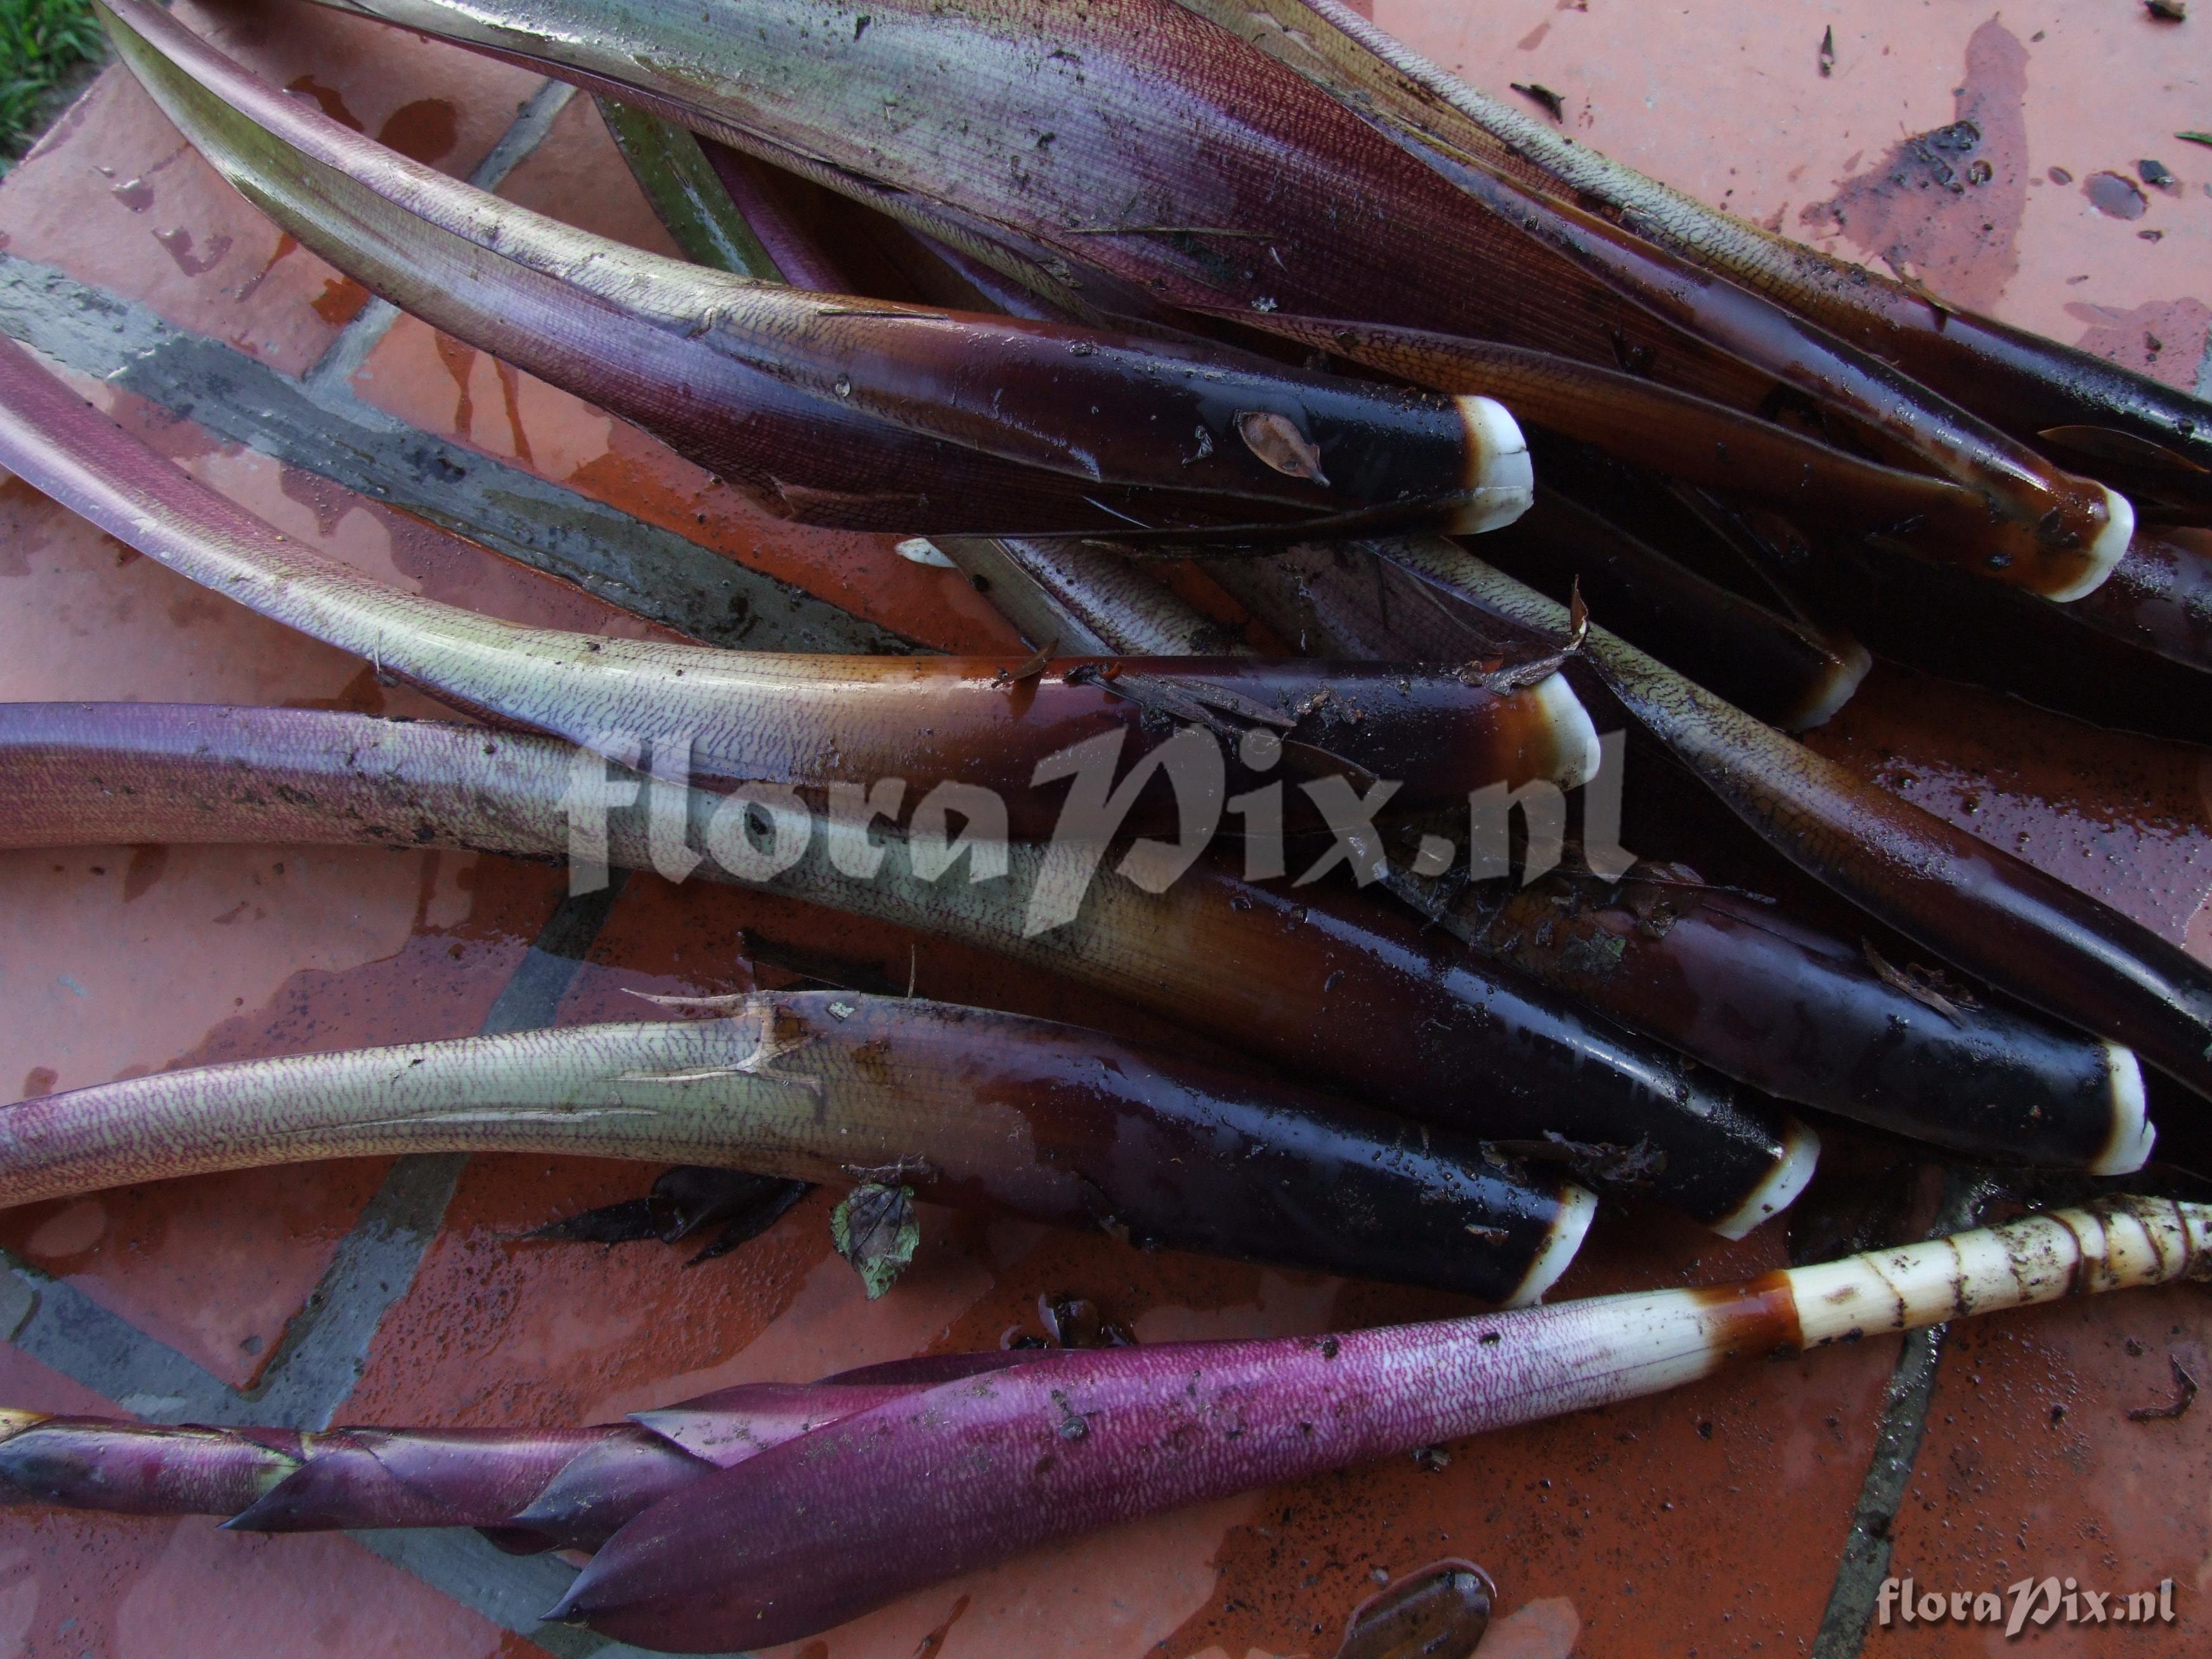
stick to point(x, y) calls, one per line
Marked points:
point(775, 721)
point(1233, 170)
point(860, 414)
point(979, 1110)
point(972, 1471)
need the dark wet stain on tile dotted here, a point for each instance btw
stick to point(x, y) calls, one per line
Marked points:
point(147, 864)
point(424, 131)
point(2115, 195)
point(177, 243)
point(2119, 816)
point(1945, 205)
point(2165, 340)
point(328, 98)
point(361, 695)
point(201, 1264)
point(286, 243)
point(340, 302)
point(458, 359)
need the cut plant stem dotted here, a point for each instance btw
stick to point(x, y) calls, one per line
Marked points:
point(981, 1110)
point(2046, 530)
point(1052, 592)
point(1812, 1019)
point(1183, 169)
point(1369, 217)
point(967, 1475)
point(130, 1470)
point(796, 719)
point(1282, 972)
point(721, 1518)
point(854, 412)
point(2135, 652)
point(1086, 597)
point(530, 1489)
point(1782, 671)
point(1974, 905)
point(1688, 438)
point(2159, 598)
point(1738, 986)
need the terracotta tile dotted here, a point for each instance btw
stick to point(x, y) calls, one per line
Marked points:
point(216, 1267)
point(26, 1385)
point(75, 1583)
point(126, 960)
point(496, 1330)
point(87, 618)
point(1625, 1524)
point(2031, 1469)
point(1727, 102)
point(577, 176)
point(115, 196)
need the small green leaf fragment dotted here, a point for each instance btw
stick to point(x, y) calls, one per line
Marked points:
point(876, 1229)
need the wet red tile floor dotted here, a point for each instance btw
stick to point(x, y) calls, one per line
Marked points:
point(1706, 1522)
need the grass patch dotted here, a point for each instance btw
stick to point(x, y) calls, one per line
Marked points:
point(42, 44)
